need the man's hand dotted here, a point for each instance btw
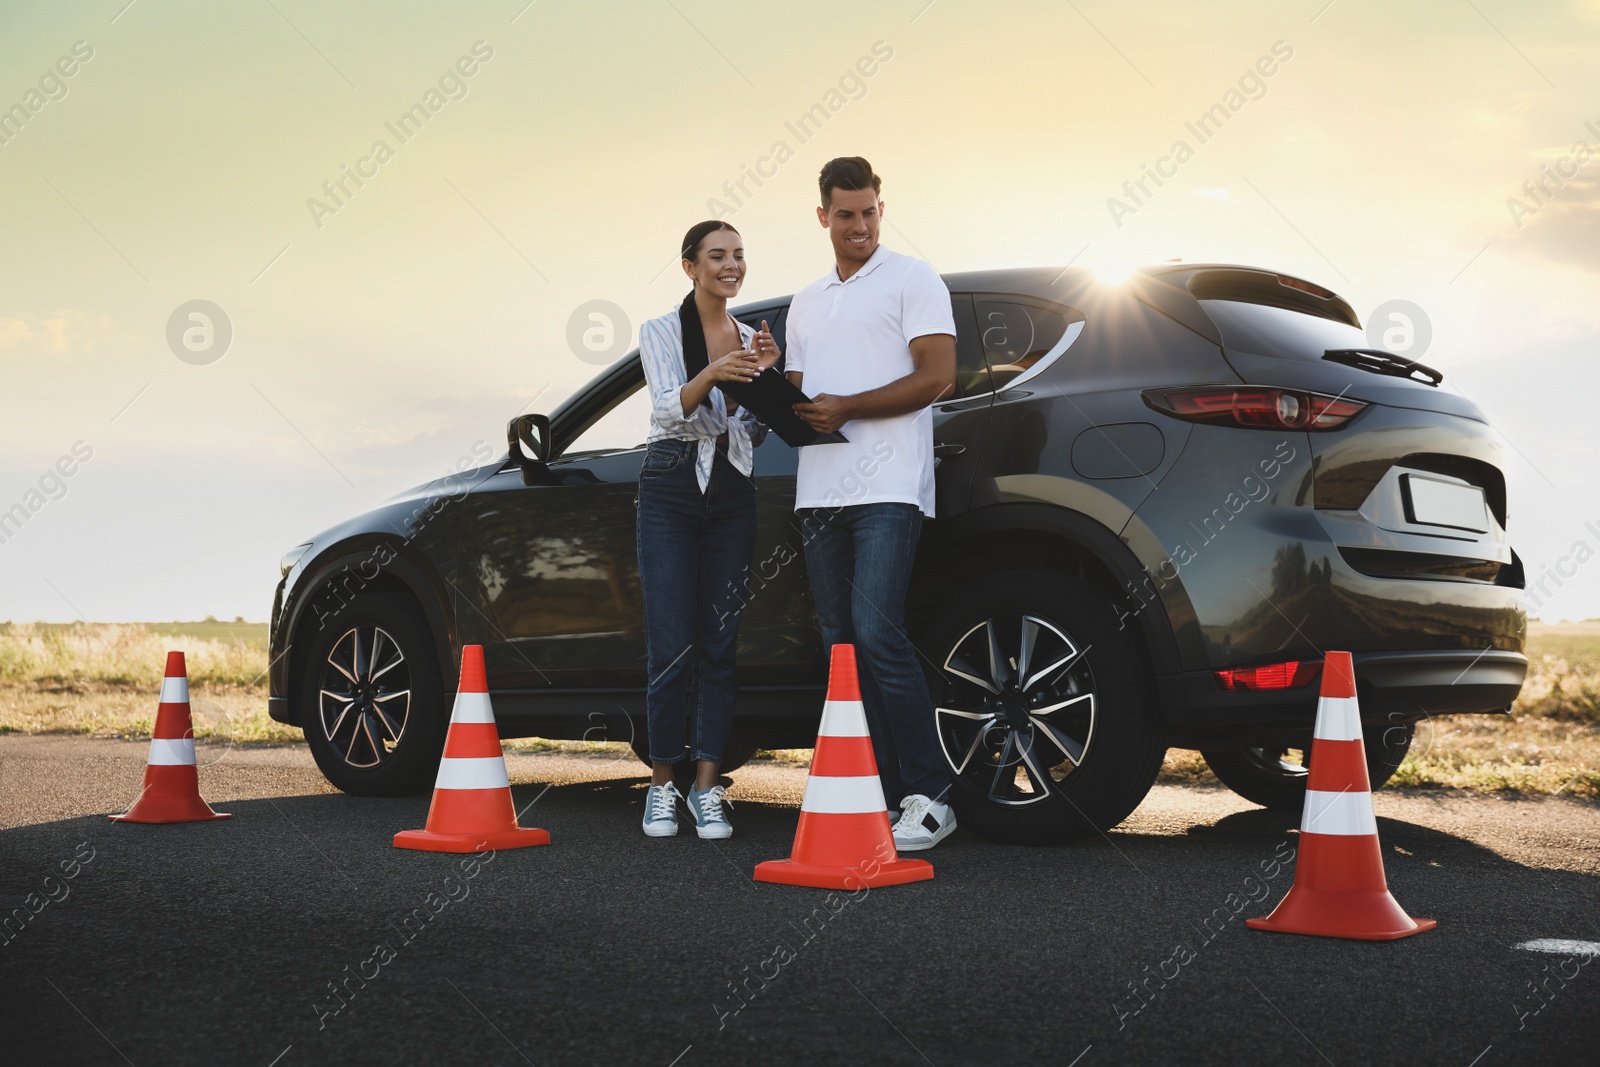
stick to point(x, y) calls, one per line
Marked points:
point(826, 412)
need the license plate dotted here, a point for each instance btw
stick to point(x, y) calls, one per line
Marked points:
point(1431, 502)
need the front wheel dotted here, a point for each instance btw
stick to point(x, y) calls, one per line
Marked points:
point(371, 699)
point(1044, 708)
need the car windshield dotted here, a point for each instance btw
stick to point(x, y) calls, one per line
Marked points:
point(1276, 331)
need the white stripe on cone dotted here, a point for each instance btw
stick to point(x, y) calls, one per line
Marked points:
point(172, 751)
point(855, 795)
point(174, 690)
point(843, 718)
point(1338, 719)
point(472, 707)
point(1345, 814)
point(483, 772)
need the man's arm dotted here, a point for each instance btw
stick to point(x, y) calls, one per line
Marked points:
point(932, 379)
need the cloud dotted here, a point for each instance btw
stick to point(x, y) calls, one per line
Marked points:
point(71, 332)
point(1566, 228)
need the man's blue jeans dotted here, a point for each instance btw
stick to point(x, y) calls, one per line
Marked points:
point(693, 551)
point(859, 558)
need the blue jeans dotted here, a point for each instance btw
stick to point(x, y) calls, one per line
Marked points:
point(694, 549)
point(859, 558)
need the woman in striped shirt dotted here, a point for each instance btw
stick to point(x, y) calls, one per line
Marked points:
point(697, 524)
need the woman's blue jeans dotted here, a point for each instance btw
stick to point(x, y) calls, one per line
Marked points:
point(694, 549)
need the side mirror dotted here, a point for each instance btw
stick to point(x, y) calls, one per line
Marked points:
point(532, 431)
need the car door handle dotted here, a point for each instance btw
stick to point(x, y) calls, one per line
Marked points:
point(948, 448)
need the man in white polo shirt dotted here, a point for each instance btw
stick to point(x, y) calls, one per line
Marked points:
point(873, 345)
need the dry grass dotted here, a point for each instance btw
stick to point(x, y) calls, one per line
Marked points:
point(102, 680)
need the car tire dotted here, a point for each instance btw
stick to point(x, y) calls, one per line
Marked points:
point(1110, 708)
point(1262, 776)
point(372, 699)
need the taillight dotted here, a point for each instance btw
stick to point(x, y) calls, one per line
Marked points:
point(1255, 406)
point(1291, 674)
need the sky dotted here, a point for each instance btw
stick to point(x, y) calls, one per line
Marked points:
point(380, 334)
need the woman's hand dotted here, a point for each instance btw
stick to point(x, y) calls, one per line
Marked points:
point(766, 349)
point(737, 366)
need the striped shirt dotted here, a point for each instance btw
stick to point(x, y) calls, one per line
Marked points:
point(661, 351)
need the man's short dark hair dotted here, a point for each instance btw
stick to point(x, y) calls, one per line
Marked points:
point(849, 173)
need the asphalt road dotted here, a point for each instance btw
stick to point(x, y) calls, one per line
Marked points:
point(216, 943)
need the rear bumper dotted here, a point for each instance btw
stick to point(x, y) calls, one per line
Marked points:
point(1393, 687)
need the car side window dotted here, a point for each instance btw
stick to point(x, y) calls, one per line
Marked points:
point(1015, 335)
point(972, 373)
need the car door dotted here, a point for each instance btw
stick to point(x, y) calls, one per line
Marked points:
point(549, 576)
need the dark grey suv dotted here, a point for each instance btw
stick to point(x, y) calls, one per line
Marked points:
point(1160, 503)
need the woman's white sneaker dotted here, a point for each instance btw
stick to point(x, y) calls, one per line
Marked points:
point(661, 811)
point(923, 823)
point(710, 820)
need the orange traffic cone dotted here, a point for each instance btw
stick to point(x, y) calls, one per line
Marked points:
point(472, 807)
point(1339, 889)
point(171, 784)
point(843, 840)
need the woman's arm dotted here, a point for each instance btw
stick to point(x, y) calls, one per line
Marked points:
point(677, 405)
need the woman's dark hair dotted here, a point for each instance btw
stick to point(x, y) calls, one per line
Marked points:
point(848, 173)
point(699, 232)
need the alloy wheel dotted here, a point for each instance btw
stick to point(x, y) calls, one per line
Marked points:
point(1018, 710)
point(365, 698)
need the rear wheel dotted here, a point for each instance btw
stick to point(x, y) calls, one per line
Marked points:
point(1044, 708)
point(371, 698)
point(1274, 776)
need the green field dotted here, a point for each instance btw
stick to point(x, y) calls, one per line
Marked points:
point(102, 680)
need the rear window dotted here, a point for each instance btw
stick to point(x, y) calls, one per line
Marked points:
point(1278, 331)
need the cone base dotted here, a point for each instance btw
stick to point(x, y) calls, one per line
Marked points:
point(896, 872)
point(425, 841)
point(1354, 916)
point(169, 810)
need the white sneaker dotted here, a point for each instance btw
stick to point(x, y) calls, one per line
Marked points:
point(923, 823)
point(661, 811)
point(710, 820)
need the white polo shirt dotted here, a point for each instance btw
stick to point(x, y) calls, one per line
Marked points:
point(855, 335)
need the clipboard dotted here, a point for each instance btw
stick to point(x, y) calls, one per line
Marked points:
point(772, 398)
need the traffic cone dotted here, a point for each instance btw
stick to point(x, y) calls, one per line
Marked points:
point(1339, 889)
point(171, 784)
point(843, 840)
point(472, 807)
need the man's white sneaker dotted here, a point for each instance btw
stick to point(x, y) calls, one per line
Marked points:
point(661, 811)
point(923, 823)
point(709, 819)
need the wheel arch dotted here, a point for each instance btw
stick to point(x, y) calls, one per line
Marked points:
point(357, 565)
point(1045, 537)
